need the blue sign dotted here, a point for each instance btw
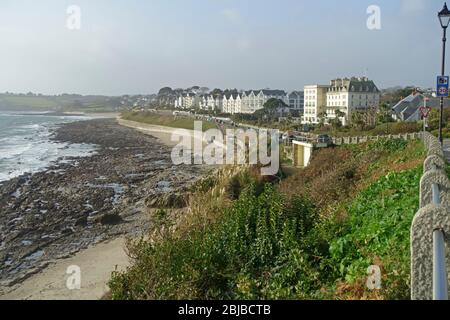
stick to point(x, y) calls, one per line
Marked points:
point(442, 86)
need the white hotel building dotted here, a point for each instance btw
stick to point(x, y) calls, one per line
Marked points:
point(344, 95)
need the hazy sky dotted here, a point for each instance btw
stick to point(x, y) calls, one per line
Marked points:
point(138, 46)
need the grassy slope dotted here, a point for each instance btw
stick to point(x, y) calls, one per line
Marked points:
point(68, 103)
point(312, 237)
point(21, 102)
point(166, 120)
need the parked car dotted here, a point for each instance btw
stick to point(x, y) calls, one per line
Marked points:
point(324, 138)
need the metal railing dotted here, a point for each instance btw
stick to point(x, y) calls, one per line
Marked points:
point(429, 255)
point(440, 276)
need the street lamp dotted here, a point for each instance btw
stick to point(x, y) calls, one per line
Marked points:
point(444, 18)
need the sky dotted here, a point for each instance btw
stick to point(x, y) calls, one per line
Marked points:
point(139, 46)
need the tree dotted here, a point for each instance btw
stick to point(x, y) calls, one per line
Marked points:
point(358, 120)
point(385, 114)
point(322, 118)
point(336, 122)
point(271, 109)
point(274, 104)
point(397, 94)
point(231, 91)
point(216, 92)
point(166, 91)
point(204, 90)
point(433, 118)
point(340, 114)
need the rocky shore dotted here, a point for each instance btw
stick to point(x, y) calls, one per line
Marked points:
point(80, 202)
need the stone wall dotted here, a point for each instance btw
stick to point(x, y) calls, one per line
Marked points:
point(430, 217)
point(364, 139)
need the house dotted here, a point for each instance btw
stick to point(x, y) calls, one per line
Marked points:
point(408, 109)
point(187, 101)
point(203, 102)
point(214, 102)
point(232, 103)
point(296, 101)
point(347, 95)
point(254, 100)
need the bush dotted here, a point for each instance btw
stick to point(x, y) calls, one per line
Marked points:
point(390, 145)
point(252, 252)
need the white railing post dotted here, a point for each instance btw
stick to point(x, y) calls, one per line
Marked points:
point(431, 225)
point(440, 280)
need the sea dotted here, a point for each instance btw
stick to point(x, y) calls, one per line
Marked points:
point(25, 145)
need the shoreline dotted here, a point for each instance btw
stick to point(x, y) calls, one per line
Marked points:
point(99, 199)
point(164, 134)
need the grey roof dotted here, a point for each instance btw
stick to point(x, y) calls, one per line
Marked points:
point(274, 92)
point(296, 94)
point(408, 108)
point(228, 95)
point(354, 84)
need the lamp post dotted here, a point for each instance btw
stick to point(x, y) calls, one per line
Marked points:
point(444, 18)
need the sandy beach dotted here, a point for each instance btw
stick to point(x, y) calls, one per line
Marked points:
point(90, 205)
point(96, 265)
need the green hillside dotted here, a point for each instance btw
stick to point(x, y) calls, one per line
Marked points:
point(312, 236)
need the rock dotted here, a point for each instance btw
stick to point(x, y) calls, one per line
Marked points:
point(109, 219)
point(67, 231)
point(82, 222)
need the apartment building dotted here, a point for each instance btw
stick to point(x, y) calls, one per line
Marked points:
point(243, 102)
point(232, 103)
point(254, 100)
point(203, 102)
point(349, 94)
point(296, 101)
point(315, 105)
point(187, 101)
point(214, 102)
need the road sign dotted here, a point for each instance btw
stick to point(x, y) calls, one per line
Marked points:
point(425, 111)
point(442, 86)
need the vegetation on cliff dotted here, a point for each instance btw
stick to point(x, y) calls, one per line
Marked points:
point(312, 236)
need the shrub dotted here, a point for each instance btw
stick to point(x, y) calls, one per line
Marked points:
point(390, 145)
point(252, 252)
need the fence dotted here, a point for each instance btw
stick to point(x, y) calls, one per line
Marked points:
point(431, 228)
point(364, 139)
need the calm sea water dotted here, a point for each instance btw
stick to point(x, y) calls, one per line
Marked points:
point(25, 145)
